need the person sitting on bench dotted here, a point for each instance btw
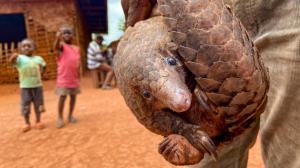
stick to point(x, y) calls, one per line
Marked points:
point(96, 61)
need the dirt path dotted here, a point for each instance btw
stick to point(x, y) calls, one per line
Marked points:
point(106, 136)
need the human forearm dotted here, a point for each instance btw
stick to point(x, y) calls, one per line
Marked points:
point(43, 70)
point(13, 58)
point(57, 45)
point(58, 42)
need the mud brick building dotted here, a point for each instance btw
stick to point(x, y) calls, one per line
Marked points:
point(39, 20)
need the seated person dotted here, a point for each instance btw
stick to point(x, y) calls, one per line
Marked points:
point(96, 60)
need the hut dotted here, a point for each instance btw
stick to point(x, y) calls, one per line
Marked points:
point(40, 20)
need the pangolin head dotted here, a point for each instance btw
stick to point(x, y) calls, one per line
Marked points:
point(148, 76)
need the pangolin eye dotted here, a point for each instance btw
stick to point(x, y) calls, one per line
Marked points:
point(171, 61)
point(146, 94)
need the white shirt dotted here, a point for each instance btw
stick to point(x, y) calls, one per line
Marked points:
point(94, 56)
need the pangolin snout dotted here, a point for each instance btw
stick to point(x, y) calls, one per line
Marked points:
point(180, 101)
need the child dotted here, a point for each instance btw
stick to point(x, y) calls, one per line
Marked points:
point(67, 73)
point(30, 68)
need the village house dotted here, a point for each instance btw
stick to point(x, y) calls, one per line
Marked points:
point(40, 20)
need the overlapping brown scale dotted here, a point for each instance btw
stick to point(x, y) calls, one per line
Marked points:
point(197, 69)
point(232, 85)
point(254, 82)
point(186, 22)
point(197, 37)
point(248, 110)
point(218, 4)
point(219, 35)
point(221, 70)
point(208, 54)
point(246, 122)
point(188, 54)
point(232, 51)
point(178, 37)
point(227, 16)
point(197, 6)
point(208, 85)
point(206, 21)
point(242, 98)
point(223, 59)
point(218, 99)
point(249, 50)
point(237, 31)
point(230, 111)
point(243, 115)
point(171, 22)
point(215, 6)
point(260, 93)
point(173, 8)
point(245, 66)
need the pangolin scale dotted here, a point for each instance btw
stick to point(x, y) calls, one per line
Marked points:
point(192, 75)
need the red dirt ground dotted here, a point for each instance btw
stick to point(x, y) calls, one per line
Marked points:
point(106, 136)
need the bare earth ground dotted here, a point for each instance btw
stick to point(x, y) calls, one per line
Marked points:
point(106, 136)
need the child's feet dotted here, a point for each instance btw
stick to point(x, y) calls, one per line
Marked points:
point(26, 128)
point(39, 126)
point(106, 87)
point(72, 120)
point(60, 123)
point(42, 109)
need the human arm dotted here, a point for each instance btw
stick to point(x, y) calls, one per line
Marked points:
point(58, 43)
point(13, 58)
point(43, 70)
point(42, 65)
point(94, 52)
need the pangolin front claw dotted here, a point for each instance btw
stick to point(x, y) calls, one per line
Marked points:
point(203, 142)
point(177, 150)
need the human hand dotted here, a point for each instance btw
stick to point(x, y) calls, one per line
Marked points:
point(13, 57)
point(44, 76)
point(59, 35)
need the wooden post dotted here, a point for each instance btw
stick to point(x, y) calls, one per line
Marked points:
point(95, 78)
point(6, 52)
point(1, 54)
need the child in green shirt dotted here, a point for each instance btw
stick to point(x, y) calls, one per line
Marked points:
point(30, 68)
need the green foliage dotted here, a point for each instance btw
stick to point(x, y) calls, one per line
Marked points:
point(121, 24)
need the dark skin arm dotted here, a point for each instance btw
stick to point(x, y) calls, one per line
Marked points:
point(58, 43)
point(43, 70)
point(13, 58)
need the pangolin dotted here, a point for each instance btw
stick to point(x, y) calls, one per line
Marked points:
point(192, 75)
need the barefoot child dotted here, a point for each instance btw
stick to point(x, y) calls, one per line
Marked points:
point(67, 73)
point(30, 68)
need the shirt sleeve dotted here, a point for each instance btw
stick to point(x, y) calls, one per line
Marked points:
point(42, 61)
point(18, 62)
